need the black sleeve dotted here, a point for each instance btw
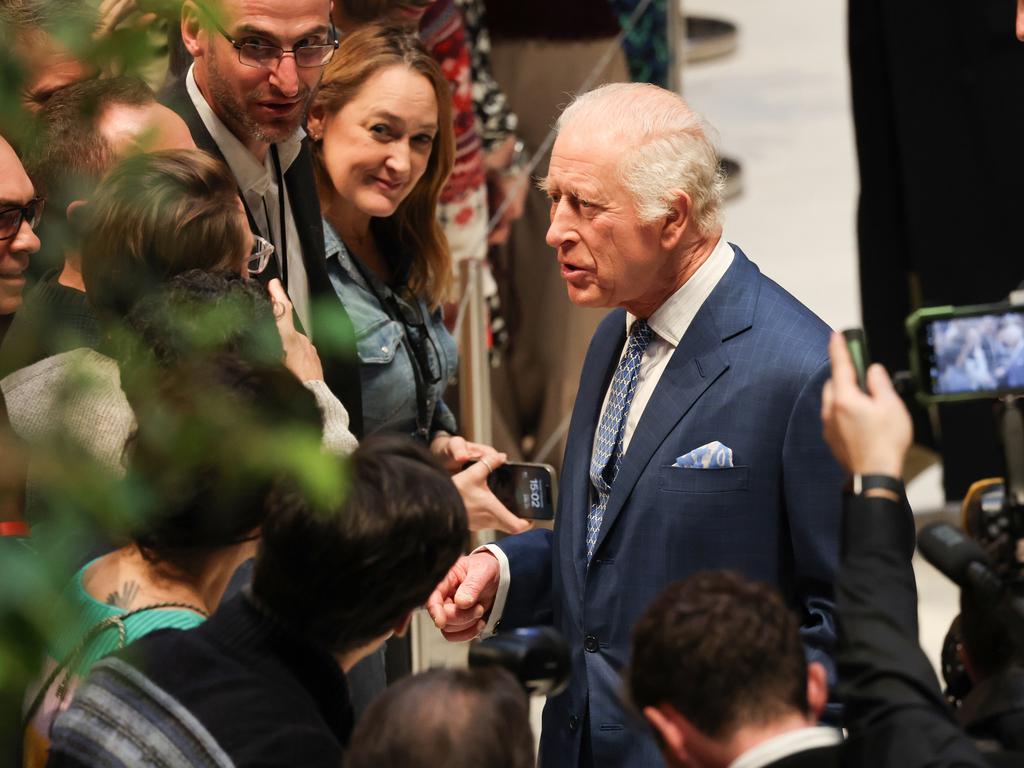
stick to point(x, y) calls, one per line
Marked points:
point(894, 709)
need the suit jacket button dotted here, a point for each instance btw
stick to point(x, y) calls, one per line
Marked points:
point(590, 644)
point(574, 723)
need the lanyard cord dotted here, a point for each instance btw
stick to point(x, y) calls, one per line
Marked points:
point(395, 313)
point(283, 231)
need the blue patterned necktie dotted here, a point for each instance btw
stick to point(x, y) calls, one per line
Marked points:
point(604, 464)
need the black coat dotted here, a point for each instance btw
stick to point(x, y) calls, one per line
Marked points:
point(938, 105)
point(894, 710)
point(339, 359)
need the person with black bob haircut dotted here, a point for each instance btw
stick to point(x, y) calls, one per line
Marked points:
point(263, 680)
point(484, 721)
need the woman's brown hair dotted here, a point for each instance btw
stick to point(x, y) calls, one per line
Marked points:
point(413, 226)
point(155, 216)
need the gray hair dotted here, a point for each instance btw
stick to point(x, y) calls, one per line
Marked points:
point(34, 17)
point(667, 148)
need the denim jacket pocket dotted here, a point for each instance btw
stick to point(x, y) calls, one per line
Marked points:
point(389, 385)
point(379, 342)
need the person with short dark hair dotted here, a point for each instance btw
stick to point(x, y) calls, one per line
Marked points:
point(205, 382)
point(455, 718)
point(720, 673)
point(82, 132)
point(264, 678)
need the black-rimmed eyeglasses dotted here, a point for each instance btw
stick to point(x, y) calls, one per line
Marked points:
point(12, 218)
point(264, 56)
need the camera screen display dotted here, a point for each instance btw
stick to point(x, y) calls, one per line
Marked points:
point(975, 354)
point(524, 489)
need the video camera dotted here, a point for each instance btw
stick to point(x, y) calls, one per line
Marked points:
point(973, 353)
point(538, 657)
point(977, 353)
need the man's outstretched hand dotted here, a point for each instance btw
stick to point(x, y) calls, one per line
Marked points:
point(460, 603)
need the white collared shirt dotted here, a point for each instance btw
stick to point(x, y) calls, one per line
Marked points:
point(669, 323)
point(786, 744)
point(258, 184)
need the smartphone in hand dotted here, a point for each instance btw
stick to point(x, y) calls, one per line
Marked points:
point(527, 489)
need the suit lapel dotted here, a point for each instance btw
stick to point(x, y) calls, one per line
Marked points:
point(697, 363)
point(602, 358)
point(175, 97)
point(305, 206)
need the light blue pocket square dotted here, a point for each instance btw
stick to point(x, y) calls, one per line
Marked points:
point(713, 455)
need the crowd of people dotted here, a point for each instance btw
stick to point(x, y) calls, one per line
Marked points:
point(239, 341)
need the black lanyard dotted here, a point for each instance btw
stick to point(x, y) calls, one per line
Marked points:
point(392, 310)
point(282, 247)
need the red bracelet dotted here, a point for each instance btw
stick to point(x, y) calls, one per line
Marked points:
point(14, 528)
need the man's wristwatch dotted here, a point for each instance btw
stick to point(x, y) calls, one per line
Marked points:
point(862, 483)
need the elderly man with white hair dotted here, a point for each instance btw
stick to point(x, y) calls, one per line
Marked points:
point(696, 437)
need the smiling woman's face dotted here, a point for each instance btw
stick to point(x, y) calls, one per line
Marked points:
point(377, 146)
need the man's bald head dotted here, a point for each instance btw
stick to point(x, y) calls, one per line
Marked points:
point(664, 148)
point(16, 191)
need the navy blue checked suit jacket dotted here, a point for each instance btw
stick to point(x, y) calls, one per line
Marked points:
point(748, 372)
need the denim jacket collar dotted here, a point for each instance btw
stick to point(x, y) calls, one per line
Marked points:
point(336, 248)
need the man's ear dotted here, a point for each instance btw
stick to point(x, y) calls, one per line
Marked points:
point(75, 211)
point(402, 625)
point(193, 31)
point(677, 221)
point(670, 726)
point(817, 689)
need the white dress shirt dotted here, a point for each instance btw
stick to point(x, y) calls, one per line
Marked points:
point(786, 744)
point(258, 183)
point(669, 324)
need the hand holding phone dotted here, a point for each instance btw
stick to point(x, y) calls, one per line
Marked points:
point(528, 489)
point(857, 346)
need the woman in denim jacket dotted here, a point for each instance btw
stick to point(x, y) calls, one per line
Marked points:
point(383, 136)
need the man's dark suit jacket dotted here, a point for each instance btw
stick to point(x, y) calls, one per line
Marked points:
point(894, 710)
point(339, 360)
point(748, 372)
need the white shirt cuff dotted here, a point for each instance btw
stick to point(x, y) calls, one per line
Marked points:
point(503, 581)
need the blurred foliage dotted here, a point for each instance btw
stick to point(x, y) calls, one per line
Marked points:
point(85, 504)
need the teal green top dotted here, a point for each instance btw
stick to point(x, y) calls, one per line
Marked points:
point(87, 612)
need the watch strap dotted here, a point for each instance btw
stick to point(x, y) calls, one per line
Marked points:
point(862, 483)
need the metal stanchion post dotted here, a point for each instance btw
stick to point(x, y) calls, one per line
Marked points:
point(676, 38)
point(474, 363)
point(429, 649)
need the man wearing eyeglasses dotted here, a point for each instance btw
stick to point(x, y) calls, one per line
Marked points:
point(257, 63)
point(20, 210)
